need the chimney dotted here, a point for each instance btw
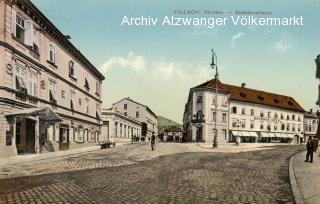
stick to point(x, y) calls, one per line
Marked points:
point(243, 85)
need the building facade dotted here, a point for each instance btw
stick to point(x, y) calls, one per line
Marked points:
point(241, 113)
point(50, 94)
point(140, 112)
point(311, 122)
point(172, 134)
point(116, 127)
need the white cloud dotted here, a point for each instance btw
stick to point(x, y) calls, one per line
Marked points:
point(281, 46)
point(169, 70)
point(131, 61)
point(235, 38)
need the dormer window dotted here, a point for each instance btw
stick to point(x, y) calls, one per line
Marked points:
point(242, 94)
point(276, 100)
point(260, 97)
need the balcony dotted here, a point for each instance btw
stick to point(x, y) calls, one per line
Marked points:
point(198, 121)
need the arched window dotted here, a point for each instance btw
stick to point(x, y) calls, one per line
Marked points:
point(199, 115)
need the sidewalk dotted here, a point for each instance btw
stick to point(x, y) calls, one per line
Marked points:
point(305, 178)
point(36, 157)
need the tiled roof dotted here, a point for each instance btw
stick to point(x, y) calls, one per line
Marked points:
point(254, 96)
point(173, 129)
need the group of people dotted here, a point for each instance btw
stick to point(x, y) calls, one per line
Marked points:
point(312, 146)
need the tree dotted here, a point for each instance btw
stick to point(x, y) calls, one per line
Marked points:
point(144, 128)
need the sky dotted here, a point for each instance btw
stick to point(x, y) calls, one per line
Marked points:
point(157, 65)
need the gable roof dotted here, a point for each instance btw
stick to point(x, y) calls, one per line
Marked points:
point(129, 99)
point(254, 96)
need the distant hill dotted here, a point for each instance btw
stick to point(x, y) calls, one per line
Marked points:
point(164, 123)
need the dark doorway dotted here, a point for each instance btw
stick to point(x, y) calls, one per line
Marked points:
point(30, 136)
point(199, 135)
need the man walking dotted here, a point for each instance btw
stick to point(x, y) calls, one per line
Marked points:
point(153, 141)
point(310, 149)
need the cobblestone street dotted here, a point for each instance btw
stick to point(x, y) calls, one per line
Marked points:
point(119, 176)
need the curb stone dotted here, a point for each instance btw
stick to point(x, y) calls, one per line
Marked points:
point(298, 198)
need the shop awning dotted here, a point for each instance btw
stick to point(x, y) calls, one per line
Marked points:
point(267, 134)
point(283, 135)
point(290, 136)
point(235, 133)
point(45, 113)
point(277, 134)
point(244, 134)
point(253, 134)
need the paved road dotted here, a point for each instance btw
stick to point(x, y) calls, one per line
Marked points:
point(247, 177)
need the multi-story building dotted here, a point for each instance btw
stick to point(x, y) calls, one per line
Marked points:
point(240, 112)
point(140, 112)
point(50, 94)
point(116, 127)
point(311, 122)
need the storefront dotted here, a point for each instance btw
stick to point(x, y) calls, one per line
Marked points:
point(27, 130)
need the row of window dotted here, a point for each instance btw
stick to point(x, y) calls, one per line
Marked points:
point(311, 121)
point(268, 114)
point(25, 32)
point(284, 127)
point(126, 131)
point(28, 84)
point(125, 107)
point(224, 101)
point(310, 128)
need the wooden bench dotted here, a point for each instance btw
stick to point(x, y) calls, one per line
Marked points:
point(105, 145)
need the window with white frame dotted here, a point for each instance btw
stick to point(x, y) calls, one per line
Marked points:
point(243, 123)
point(252, 124)
point(214, 115)
point(18, 26)
point(224, 117)
point(72, 99)
point(33, 83)
point(234, 109)
point(269, 114)
point(87, 106)
point(97, 87)
point(21, 75)
point(52, 52)
point(243, 112)
point(252, 112)
point(52, 91)
point(98, 110)
point(72, 69)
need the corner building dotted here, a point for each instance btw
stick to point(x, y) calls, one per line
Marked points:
point(241, 113)
point(50, 94)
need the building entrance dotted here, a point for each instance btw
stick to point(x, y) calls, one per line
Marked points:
point(199, 137)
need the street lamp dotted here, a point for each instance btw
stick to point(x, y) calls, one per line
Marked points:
point(214, 65)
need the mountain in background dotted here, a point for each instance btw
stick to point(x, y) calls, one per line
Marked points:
point(164, 123)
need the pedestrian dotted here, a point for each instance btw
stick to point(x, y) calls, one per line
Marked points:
point(153, 141)
point(310, 149)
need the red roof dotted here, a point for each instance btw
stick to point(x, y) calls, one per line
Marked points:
point(254, 96)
